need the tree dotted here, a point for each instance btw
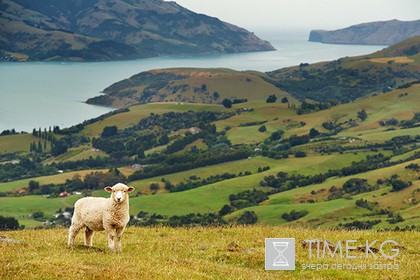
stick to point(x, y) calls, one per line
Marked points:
point(262, 128)
point(271, 99)
point(226, 209)
point(248, 218)
point(356, 185)
point(154, 187)
point(59, 147)
point(284, 100)
point(33, 185)
point(362, 115)
point(313, 133)
point(300, 154)
point(276, 135)
point(109, 131)
point(227, 103)
point(398, 185)
point(7, 223)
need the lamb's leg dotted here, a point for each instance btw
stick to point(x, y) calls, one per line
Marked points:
point(111, 237)
point(73, 230)
point(118, 237)
point(88, 237)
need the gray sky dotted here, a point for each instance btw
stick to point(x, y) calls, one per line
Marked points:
point(259, 15)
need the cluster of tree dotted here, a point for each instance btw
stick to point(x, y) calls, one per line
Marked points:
point(177, 163)
point(247, 198)
point(399, 141)
point(228, 103)
point(336, 81)
point(135, 140)
point(294, 215)
point(365, 204)
point(252, 123)
point(397, 184)
point(9, 223)
point(44, 134)
point(393, 219)
point(282, 181)
point(392, 121)
point(192, 219)
point(92, 181)
point(414, 122)
point(276, 147)
point(360, 225)
point(413, 166)
point(8, 132)
point(26, 168)
point(247, 218)
point(352, 186)
point(40, 148)
point(307, 108)
point(356, 185)
point(195, 182)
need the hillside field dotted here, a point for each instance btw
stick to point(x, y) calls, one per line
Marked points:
point(198, 253)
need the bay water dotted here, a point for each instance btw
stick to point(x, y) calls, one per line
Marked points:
point(44, 94)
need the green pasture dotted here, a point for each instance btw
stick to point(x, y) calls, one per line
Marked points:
point(17, 143)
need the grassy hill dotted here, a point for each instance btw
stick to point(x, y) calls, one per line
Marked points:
point(186, 154)
point(343, 80)
point(194, 85)
point(350, 78)
point(399, 104)
point(196, 253)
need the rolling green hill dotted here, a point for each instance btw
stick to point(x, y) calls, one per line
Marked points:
point(209, 86)
point(350, 78)
point(343, 80)
point(189, 157)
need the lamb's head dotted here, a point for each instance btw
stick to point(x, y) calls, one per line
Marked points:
point(119, 192)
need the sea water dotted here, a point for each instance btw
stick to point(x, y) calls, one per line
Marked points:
point(44, 94)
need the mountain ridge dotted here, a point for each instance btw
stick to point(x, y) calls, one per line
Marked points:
point(370, 33)
point(120, 29)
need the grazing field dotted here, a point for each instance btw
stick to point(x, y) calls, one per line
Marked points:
point(16, 143)
point(199, 253)
point(137, 112)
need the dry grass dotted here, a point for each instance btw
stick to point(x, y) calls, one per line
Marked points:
point(195, 253)
point(396, 59)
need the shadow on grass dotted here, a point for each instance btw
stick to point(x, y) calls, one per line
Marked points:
point(84, 248)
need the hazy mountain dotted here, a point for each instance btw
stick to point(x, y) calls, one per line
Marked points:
point(114, 29)
point(372, 33)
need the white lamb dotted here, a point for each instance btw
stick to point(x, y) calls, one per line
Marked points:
point(99, 213)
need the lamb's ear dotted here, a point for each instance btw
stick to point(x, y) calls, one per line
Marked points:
point(108, 189)
point(130, 189)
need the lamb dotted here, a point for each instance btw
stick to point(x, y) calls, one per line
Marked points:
point(99, 213)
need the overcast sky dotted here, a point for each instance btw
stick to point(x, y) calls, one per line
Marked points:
point(260, 15)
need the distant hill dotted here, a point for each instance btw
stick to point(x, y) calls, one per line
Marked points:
point(197, 85)
point(344, 80)
point(350, 78)
point(92, 30)
point(371, 33)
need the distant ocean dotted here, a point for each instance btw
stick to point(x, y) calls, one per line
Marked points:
point(44, 94)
